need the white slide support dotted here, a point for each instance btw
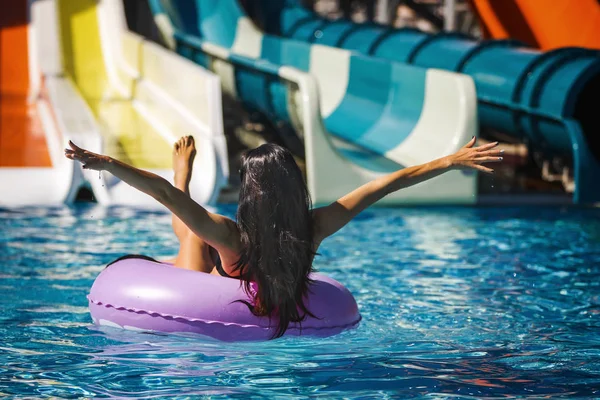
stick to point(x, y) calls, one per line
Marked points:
point(330, 175)
point(77, 123)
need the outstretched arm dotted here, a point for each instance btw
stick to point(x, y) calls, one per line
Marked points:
point(218, 231)
point(331, 218)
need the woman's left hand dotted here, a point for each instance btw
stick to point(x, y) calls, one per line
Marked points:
point(471, 157)
point(97, 162)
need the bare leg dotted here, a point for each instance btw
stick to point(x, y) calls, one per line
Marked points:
point(194, 253)
point(184, 152)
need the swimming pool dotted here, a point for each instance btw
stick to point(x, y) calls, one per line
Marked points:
point(456, 303)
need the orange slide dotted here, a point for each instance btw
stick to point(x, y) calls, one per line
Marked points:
point(22, 139)
point(545, 24)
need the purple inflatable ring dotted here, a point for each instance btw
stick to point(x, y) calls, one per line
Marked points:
point(139, 294)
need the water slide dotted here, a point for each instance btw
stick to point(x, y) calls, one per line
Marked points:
point(31, 165)
point(114, 92)
point(140, 108)
point(22, 139)
point(546, 99)
point(546, 25)
point(356, 117)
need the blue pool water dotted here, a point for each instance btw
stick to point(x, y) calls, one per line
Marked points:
point(456, 303)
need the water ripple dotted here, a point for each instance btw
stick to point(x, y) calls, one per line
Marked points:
point(456, 303)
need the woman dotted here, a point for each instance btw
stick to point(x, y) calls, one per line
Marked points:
point(276, 234)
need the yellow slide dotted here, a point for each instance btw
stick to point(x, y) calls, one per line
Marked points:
point(127, 135)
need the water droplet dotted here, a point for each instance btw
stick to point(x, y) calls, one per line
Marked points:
point(99, 175)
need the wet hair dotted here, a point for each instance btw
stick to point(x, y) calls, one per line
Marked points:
point(275, 223)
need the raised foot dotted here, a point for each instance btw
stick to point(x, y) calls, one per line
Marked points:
point(184, 152)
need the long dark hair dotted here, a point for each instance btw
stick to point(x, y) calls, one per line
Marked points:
point(275, 223)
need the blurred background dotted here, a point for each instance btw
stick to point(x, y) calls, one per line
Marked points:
point(355, 89)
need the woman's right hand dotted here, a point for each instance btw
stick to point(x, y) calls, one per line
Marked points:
point(97, 162)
